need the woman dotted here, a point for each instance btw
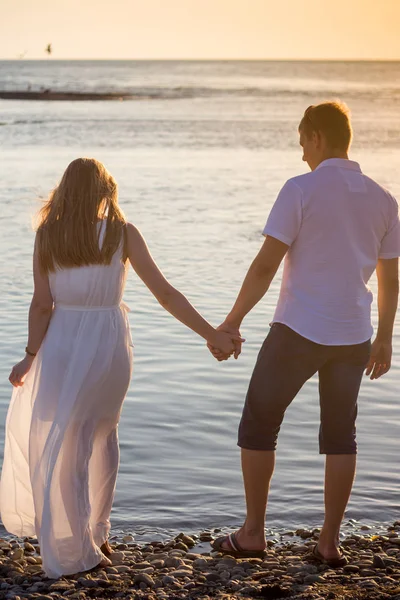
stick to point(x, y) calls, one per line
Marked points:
point(61, 452)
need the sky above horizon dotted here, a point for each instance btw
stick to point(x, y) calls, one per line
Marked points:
point(201, 29)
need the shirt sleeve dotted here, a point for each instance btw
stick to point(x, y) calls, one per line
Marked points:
point(284, 220)
point(390, 245)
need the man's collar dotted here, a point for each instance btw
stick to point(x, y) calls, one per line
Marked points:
point(342, 163)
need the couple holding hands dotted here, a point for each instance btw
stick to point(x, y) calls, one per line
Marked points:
point(333, 226)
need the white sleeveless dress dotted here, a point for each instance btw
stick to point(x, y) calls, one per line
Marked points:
point(61, 452)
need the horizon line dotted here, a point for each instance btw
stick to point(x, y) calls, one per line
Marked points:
point(27, 59)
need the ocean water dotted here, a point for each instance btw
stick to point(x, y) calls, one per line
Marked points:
point(200, 155)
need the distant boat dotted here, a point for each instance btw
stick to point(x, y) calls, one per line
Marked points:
point(49, 49)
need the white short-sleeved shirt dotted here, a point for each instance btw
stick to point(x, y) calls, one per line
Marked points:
point(337, 222)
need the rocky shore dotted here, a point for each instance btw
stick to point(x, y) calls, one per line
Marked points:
point(180, 568)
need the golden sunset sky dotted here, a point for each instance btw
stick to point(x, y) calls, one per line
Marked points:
point(196, 29)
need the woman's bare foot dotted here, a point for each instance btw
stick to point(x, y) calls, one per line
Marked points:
point(106, 562)
point(106, 548)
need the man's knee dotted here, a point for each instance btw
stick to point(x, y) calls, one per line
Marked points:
point(256, 435)
point(337, 441)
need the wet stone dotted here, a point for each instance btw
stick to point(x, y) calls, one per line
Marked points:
point(157, 556)
point(349, 542)
point(212, 576)
point(314, 579)
point(17, 554)
point(173, 561)
point(144, 578)
point(117, 558)
point(278, 572)
point(149, 570)
point(270, 564)
point(181, 546)
point(351, 569)
point(293, 569)
point(127, 538)
point(89, 583)
point(188, 541)
point(111, 570)
point(158, 564)
point(122, 569)
point(200, 563)
point(224, 575)
point(228, 562)
point(367, 573)
point(181, 573)
point(368, 583)
point(249, 590)
point(141, 565)
point(61, 586)
point(261, 575)
point(305, 534)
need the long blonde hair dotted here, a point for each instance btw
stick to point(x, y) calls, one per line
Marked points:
point(67, 233)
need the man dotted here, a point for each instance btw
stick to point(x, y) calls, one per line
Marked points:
point(335, 226)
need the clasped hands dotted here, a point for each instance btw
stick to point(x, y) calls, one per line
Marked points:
point(227, 342)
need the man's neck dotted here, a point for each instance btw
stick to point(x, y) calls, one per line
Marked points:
point(327, 155)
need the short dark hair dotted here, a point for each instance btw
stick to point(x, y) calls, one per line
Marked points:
point(332, 119)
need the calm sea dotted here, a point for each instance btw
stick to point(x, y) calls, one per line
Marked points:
point(199, 156)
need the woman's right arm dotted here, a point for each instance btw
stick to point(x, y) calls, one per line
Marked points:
point(168, 296)
point(40, 313)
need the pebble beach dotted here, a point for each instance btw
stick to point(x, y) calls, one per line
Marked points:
point(173, 569)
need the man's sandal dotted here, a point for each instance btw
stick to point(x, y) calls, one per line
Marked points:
point(234, 549)
point(333, 563)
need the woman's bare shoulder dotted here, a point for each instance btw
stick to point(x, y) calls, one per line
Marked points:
point(135, 238)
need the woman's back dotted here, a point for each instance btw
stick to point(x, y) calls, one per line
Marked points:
point(90, 285)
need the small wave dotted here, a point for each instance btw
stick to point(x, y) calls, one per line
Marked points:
point(29, 122)
point(181, 93)
point(189, 92)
